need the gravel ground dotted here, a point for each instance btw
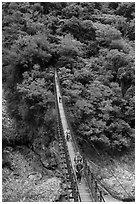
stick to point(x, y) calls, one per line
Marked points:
point(25, 181)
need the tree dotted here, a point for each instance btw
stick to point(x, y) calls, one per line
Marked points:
point(127, 9)
point(92, 46)
point(106, 33)
point(81, 30)
point(72, 10)
point(117, 59)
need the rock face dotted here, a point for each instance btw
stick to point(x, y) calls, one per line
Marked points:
point(47, 156)
point(27, 180)
point(8, 125)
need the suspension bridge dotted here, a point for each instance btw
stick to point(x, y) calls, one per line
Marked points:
point(89, 190)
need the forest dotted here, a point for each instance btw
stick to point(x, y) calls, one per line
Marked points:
point(92, 46)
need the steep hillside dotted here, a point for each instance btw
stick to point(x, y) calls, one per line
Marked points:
point(92, 45)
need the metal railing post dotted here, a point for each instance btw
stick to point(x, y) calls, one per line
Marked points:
point(100, 196)
point(96, 188)
point(88, 170)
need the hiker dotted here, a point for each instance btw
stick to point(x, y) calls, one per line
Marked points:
point(67, 134)
point(78, 169)
point(78, 158)
point(59, 99)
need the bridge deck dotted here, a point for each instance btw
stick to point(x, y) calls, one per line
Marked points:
point(83, 188)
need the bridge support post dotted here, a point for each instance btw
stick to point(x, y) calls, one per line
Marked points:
point(74, 192)
point(88, 170)
point(91, 178)
point(96, 187)
point(100, 196)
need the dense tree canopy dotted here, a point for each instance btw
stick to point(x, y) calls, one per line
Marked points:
point(92, 46)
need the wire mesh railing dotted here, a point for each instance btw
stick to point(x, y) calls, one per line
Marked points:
point(72, 178)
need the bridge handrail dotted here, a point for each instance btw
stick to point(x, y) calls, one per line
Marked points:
point(73, 179)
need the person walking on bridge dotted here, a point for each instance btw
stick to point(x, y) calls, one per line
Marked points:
point(67, 134)
point(78, 166)
point(59, 99)
point(78, 158)
point(78, 169)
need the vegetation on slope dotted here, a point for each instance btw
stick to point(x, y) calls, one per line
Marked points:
point(92, 46)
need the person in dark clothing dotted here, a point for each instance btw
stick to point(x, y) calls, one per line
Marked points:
point(78, 158)
point(67, 134)
point(79, 168)
point(59, 99)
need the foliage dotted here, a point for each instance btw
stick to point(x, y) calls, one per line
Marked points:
point(92, 46)
point(126, 9)
point(81, 30)
point(70, 47)
point(106, 33)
